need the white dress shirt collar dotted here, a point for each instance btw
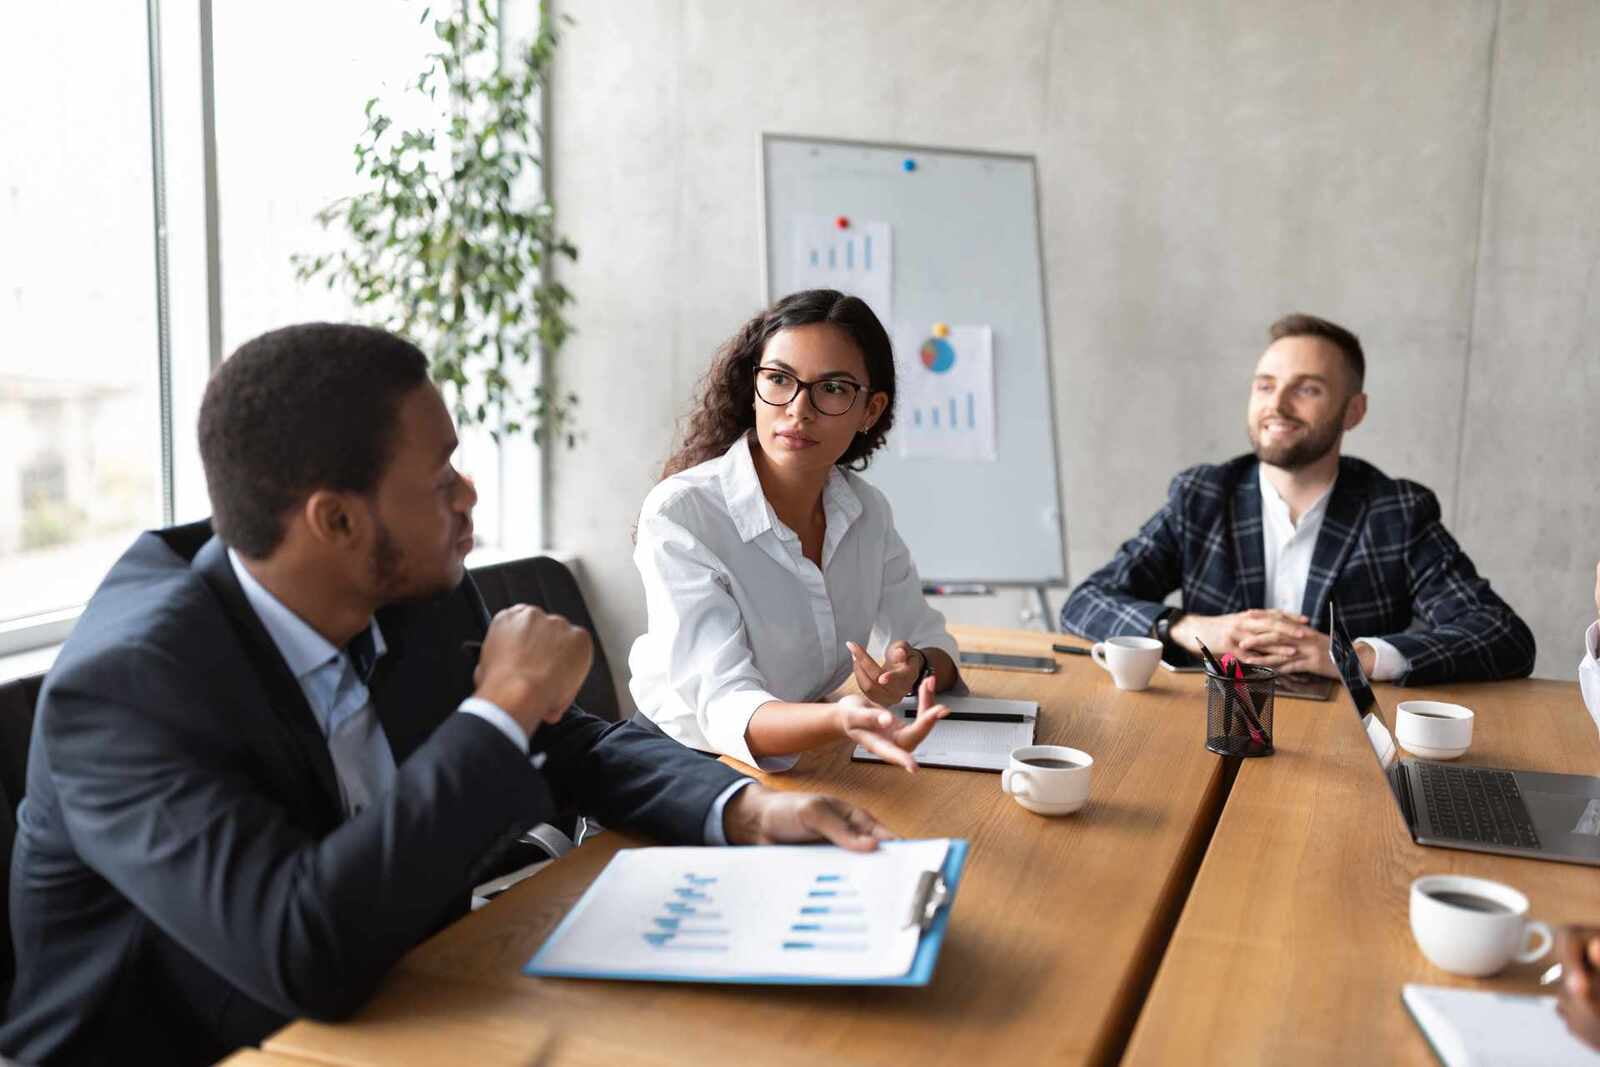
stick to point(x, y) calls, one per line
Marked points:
point(1275, 510)
point(301, 646)
point(752, 514)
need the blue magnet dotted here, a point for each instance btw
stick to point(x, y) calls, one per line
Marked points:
point(909, 165)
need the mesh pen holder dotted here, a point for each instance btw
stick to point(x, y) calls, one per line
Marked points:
point(1239, 712)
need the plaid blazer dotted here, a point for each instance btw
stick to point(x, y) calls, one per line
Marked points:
point(1382, 554)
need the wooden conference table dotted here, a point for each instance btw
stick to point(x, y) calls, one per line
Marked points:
point(1296, 939)
point(1051, 944)
point(1059, 925)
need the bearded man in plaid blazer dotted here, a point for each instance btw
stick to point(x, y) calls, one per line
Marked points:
point(1260, 544)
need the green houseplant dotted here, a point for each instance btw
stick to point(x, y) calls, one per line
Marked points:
point(453, 242)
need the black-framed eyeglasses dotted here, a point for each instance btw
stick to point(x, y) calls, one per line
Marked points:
point(831, 396)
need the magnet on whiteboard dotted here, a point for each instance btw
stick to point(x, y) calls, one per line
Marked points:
point(909, 165)
point(941, 330)
point(842, 222)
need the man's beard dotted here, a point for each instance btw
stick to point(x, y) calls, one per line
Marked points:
point(1318, 442)
point(392, 576)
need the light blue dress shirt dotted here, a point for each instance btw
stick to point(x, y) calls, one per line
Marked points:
point(362, 759)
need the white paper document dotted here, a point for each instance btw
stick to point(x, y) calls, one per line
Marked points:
point(981, 746)
point(857, 259)
point(768, 912)
point(1468, 1027)
point(945, 393)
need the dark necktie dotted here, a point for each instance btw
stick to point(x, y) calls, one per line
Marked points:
point(363, 653)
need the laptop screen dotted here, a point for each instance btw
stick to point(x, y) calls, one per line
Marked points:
point(1368, 710)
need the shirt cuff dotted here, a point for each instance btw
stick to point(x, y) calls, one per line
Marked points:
point(1589, 672)
point(715, 833)
point(727, 720)
point(495, 716)
point(1387, 661)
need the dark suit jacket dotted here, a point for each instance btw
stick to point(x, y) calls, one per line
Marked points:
point(184, 881)
point(1382, 555)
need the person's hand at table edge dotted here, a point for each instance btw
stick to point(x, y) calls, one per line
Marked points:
point(760, 816)
point(1578, 949)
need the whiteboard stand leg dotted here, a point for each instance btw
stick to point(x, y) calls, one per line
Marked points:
point(1044, 609)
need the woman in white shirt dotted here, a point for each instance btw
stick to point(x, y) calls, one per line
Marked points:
point(769, 569)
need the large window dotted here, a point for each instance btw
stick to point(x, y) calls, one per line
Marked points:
point(80, 469)
point(242, 117)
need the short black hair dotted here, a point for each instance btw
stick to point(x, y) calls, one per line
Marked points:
point(1299, 324)
point(295, 410)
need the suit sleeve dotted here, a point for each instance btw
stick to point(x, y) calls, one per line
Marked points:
point(1461, 631)
point(631, 776)
point(1127, 595)
point(174, 817)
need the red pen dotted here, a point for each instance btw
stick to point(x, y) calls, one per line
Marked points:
point(1234, 668)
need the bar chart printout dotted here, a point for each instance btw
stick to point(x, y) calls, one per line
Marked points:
point(770, 912)
point(944, 403)
point(857, 259)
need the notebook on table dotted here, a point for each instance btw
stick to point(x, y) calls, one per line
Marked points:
point(977, 744)
point(1468, 1026)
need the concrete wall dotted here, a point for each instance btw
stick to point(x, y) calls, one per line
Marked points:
point(1423, 172)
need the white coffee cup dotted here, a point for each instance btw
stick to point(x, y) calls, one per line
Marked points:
point(1472, 926)
point(1433, 729)
point(1131, 660)
point(1048, 790)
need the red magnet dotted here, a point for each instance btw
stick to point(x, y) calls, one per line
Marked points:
point(842, 222)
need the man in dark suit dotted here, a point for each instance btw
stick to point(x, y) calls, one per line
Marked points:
point(1260, 545)
point(262, 767)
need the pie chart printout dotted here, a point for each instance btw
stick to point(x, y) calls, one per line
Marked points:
point(945, 387)
point(937, 355)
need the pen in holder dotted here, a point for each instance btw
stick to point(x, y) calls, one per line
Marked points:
point(1239, 711)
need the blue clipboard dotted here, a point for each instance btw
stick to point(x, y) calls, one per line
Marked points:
point(920, 973)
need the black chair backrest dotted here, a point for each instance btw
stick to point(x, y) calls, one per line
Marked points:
point(547, 583)
point(17, 700)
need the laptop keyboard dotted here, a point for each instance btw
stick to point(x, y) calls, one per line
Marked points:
point(1475, 804)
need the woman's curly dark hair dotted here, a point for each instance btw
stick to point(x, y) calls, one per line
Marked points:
point(725, 408)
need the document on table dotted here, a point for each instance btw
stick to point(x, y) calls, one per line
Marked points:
point(968, 744)
point(1469, 1026)
point(767, 913)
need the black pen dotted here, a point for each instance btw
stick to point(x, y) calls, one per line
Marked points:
point(977, 716)
point(1071, 650)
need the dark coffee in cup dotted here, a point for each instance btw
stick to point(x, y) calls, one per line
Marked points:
point(1470, 901)
point(1050, 764)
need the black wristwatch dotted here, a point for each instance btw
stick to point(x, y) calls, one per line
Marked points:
point(926, 671)
point(1162, 630)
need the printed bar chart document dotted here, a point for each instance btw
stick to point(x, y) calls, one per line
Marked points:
point(969, 744)
point(800, 914)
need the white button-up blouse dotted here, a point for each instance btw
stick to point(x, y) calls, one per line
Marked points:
point(738, 617)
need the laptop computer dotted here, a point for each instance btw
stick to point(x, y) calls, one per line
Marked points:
point(1481, 809)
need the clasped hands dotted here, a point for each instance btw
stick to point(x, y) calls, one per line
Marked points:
point(1267, 637)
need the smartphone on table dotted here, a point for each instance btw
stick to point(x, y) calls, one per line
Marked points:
point(1002, 661)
